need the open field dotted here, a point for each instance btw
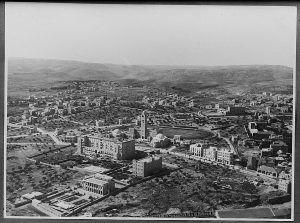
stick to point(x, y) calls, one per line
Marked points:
point(186, 133)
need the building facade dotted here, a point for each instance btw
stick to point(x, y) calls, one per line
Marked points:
point(95, 146)
point(268, 171)
point(225, 156)
point(211, 153)
point(197, 149)
point(98, 184)
point(284, 185)
point(147, 166)
point(204, 151)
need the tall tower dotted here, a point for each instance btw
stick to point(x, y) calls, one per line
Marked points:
point(144, 125)
point(268, 110)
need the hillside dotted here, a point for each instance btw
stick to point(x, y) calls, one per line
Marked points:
point(26, 73)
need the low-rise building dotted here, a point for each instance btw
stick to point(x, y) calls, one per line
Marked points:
point(98, 184)
point(268, 171)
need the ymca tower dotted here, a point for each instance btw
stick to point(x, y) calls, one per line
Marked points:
point(144, 125)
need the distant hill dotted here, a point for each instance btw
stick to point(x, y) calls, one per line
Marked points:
point(23, 73)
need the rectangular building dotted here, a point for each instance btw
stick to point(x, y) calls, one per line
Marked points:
point(225, 156)
point(95, 146)
point(147, 166)
point(232, 110)
point(197, 149)
point(211, 153)
point(285, 185)
point(98, 184)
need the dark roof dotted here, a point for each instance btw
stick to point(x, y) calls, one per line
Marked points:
point(264, 212)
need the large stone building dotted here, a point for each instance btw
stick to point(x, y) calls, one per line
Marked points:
point(197, 149)
point(147, 166)
point(95, 146)
point(98, 184)
point(144, 133)
point(204, 151)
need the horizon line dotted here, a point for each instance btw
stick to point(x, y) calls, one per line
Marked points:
point(146, 65)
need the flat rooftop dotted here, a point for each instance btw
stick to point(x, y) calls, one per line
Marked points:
point(149, 159)
point(95, 181)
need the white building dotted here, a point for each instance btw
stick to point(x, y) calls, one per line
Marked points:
point(98, 184)
point(197, 149)
point(211, 153)
point(225, 156)
point(203, 151)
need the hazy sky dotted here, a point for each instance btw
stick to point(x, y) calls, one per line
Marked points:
point(152, 34)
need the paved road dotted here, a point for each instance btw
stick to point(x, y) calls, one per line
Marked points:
point(26, 143)
point(53, 136)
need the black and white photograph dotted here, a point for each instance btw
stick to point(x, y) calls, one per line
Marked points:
point(149, 111)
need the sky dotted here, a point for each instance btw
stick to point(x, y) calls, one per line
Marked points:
point(152, 34)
